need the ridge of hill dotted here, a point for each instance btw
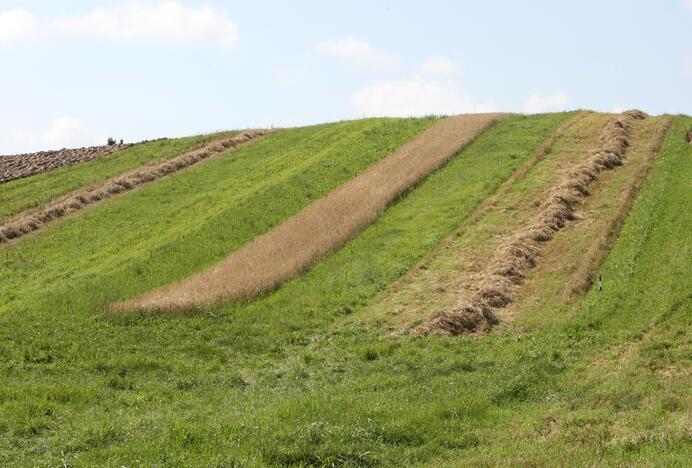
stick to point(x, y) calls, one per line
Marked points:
point(24, 165)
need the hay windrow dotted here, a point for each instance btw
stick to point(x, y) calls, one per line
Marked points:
point(583, 278)
point(322, 227)
point(507, 270)
point(25, 223)
point(545, 148)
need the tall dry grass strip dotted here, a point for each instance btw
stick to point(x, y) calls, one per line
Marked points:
point(25, 223)
point(322, 227)
point(583, 278)
point(518, 254)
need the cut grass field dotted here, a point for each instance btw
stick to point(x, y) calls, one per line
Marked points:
point(299, 376)
point(494, 287)
point(22, 194)
point(323, 226)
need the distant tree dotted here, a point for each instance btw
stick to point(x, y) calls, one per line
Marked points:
point(121, 141)
point(111, 141)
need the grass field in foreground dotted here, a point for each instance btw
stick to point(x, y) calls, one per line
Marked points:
point(276, 381)
point(68, 371)
point(29, 192)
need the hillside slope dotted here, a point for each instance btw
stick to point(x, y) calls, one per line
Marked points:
point(323, 226)
point(29, 192)
point(311, 373)
point(39, 218)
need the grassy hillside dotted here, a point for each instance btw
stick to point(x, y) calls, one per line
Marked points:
point(321, 227)
point(298, 376)
point(21, 194)
point(181, 224)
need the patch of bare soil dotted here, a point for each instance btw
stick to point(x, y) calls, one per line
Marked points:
point(520, 253)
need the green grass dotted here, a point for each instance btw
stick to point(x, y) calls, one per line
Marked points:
point(186, 222)
point(296, 377)
point(29, 192)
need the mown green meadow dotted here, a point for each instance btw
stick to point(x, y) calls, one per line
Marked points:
point(21, 194)
point(297, 376)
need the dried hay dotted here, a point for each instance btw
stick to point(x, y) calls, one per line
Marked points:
point(520, 253)
point(585, 274)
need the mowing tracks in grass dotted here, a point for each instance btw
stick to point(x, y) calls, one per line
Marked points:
point(520, 252)
point(23, 224)
point(322, 227)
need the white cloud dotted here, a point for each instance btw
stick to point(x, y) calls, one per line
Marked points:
point(414, 97)
point(165, 20)
point(440, 67)
point(689, 4)
point(537, 103)
point(355, 51)
point(17, 25)
point(62, 132)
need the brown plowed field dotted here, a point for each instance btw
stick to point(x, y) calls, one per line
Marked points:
point(323, 226)
point(25, 165)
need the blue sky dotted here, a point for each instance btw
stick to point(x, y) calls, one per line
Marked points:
point(75, 72)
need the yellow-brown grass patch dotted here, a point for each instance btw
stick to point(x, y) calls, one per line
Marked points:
point(519, 253)
point(322, 227)
point(583, 278)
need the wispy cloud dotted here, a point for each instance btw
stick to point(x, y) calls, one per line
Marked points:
point(17, 26)
point(431, 90)
point(537, 103)
point(414, 97)
point(355, 51)
point(162, 21)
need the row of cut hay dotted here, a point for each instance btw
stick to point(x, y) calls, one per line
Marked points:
point(320, 228)
point(583, 278)
point(512, 261)
point(25, 223)
point(482, 209)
